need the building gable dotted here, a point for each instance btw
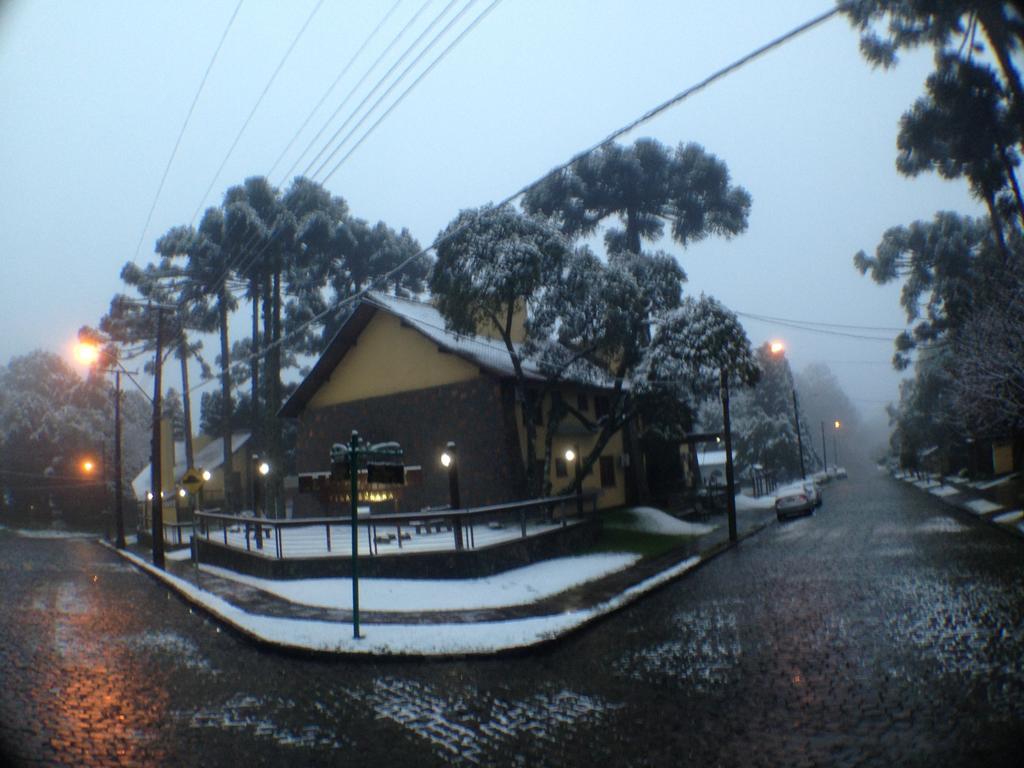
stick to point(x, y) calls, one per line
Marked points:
point(386, 358)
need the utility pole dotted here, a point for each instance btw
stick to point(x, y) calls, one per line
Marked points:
point(730, 483)
point(799, 439)
point(155, 468)
point(118, 490)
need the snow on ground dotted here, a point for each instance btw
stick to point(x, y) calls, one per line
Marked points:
point(47, 533)
point(520, 586)
point(179, 554)
point(993, 483)
point(651, 520)
point(744, 502)
point(982, 506)
point(942, 525)
point(1009, 517)
point(417, 639)
point(328, 540)
point(926, 484)
point(943, 490)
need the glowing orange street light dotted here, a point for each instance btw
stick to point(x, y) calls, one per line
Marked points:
point(86, 353)
point(838, 424)
point(88, 466)
point(777, 347)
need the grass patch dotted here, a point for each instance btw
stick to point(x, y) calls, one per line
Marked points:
point(638, 542)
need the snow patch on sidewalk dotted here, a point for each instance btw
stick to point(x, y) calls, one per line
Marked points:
point(982, 506)
point(520, 586)
point(943, 490)
point(410, 639)
point(993, 483)
point(746, 503)
point(1009, 517)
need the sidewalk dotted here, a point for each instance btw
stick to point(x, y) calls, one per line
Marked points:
point(271, 620)
point(995, 501)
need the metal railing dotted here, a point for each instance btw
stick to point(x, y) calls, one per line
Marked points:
point(435, 529)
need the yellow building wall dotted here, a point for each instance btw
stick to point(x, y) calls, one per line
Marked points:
point(608, 497)
point(1002, 458)
point(517, 330)
point(387, 359)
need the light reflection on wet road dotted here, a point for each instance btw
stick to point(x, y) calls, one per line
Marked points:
point(884, 630)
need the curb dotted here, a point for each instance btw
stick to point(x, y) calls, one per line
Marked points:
point(240, 622)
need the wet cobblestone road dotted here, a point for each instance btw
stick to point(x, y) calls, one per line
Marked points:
point(885, 630)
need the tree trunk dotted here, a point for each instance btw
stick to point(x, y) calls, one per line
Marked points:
point(1014, 185)
point(273, 405)
point(997, 225)
point(254, 367)
point(230, 501)
point(632, 231)
point(995, 26)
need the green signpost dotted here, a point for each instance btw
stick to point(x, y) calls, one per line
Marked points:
point(348, 459)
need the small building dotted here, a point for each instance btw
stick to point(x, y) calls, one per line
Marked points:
point(208, 455)
point(393, 372)
point(712, 467)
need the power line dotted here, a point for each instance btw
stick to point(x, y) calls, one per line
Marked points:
point(253, 258)
point(394, 41)
point(244, 262)
point(821, 331)
point(416, 82)
point(341, 74)
point(436, 20)
point(644, 118)
point(768, 318)
point(256, 106)
point(181, 133)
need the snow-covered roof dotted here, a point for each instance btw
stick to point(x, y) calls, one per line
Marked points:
point(209, 457)
point(486, 352)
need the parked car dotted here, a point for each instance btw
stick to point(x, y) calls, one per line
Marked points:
point(797, 503)
point(813, 491)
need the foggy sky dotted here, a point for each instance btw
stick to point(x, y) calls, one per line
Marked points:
point(94, 95)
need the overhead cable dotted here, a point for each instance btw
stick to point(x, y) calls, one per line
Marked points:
point(405, 93)
point(181, 133)
point(255, 107)
point(341, 74)
point(646, 117)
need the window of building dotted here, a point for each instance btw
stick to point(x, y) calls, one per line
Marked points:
point(601, 405)
point(581, 403)
point(607, 471)
point(561, 470)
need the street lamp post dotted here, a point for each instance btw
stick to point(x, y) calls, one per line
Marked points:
point(573, 457)
point(777, 348)
point(450, 460)
point(835, 444)
point(88, 352)
point(824, 451)
point(799, 439)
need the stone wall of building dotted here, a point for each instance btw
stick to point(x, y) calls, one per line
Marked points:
point(478, 415)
